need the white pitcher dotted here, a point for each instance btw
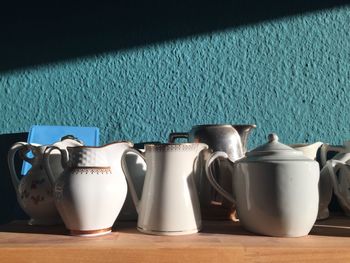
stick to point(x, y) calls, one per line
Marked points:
point(325, 186)
point(34, 191)
point(91, 191)
point(169, 204)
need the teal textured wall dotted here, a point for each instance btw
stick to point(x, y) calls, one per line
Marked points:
point(289, 75)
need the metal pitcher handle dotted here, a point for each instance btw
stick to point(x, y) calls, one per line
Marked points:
point(177, 135)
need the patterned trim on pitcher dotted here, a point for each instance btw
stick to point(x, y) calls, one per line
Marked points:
point(172, 147)
point(92, 170)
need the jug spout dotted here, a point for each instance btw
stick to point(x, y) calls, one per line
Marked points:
point(244, 131)
point(113, 151)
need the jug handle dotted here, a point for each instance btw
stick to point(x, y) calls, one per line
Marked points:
point(64, 160)
point(333, 167)
point(211, 178)
point(131, 185)
point(24, 148)
point(325, 148)
point(175, 135)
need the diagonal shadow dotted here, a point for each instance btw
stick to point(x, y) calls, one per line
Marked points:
point(37, 32)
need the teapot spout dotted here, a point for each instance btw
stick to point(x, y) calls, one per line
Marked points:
point(244, 131)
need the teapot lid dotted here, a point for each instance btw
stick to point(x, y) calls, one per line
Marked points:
point(274, 150)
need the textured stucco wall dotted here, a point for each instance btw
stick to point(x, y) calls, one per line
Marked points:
point(290, 76)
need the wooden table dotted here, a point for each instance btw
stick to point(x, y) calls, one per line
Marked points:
point(219, 241)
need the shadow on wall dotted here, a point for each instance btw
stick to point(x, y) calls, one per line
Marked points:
point(46, 31)
point(8, 204)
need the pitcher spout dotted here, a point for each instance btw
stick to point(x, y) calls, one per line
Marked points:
point(114, 150)
point(244, 131)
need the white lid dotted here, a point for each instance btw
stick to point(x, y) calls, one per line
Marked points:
point(274, 150)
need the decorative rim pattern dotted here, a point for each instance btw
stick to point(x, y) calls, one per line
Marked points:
point(131, 144)
point(223, 125)
point(92, 170)
point(169, 147)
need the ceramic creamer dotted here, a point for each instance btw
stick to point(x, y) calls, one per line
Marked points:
point(91, 190)
point(34, 190)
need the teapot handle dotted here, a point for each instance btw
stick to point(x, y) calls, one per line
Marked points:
point(64, 159)
point(131, 185)
point(23, 147)
point(211, 177)
point(326, 148)
point(175, 135)
point(333, 167)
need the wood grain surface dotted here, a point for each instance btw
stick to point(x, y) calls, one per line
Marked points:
point(219, 241)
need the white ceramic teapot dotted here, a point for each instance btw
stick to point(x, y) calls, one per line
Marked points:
point(34, 191)
point(91, 190)
point(339, 171)
point(276, 189)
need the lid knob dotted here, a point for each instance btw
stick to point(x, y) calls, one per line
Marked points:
point(272, 137)
point(71, 137)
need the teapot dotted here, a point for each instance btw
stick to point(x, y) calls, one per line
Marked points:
point(276, 189)
point(34, 191)
point(169, 202)
point(231, 139)
point(338, 168)
point(91, 190)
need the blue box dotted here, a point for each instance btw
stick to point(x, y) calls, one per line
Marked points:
point(43, 134)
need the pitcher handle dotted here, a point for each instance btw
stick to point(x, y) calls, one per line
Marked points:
point(11, 161)
point(211, 177)
point(326, 148)
point(333, 167)
point(175, 135)
point(64, 160)
point(125, 169)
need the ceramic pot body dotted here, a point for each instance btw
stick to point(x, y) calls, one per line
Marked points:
point(91, 191)
point(34, 190)
point(169, 204)
point(279, 199)
point(231, 139)
point(276, 189)
point(316, 151)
